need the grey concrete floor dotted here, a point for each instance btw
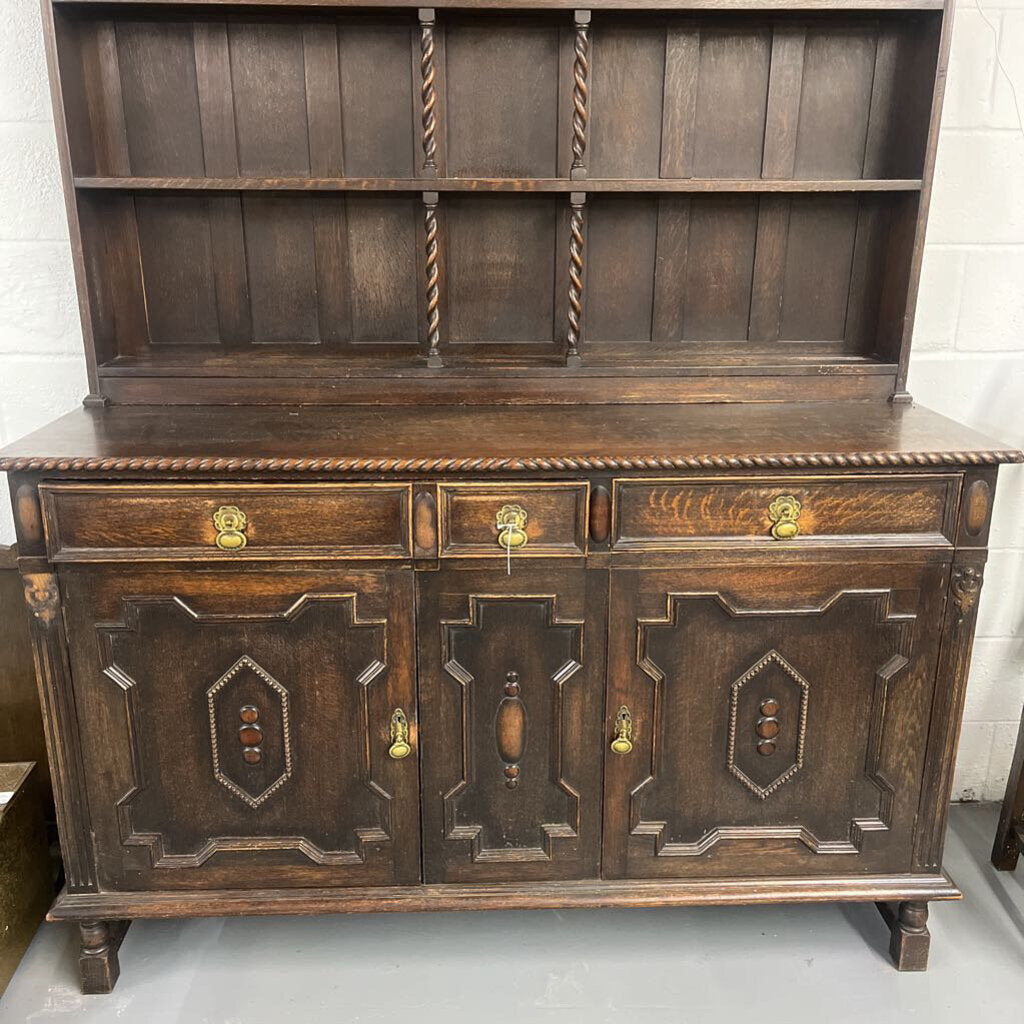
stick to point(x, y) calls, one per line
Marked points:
point(822, 963)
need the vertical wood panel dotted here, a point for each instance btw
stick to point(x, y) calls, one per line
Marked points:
point(769, 268)
point(866, 275)
point(819, 256)
point(783, 114)
point(220, 153)
point(899, 258)
point(213, 82)
point(897, 133)
point(123, 270)
point(670, 268)
point(268, 73)
point(103, 96)
point(732, 95)
point(327, 159)
point(682, 62)
point(323, 100)
point(502, 89)
point(281, 269)
point(622, 241)
point(563, 118)
point(158, 78)
point(382, 230)
point(177, 263)
point(376, 99)
point(501, 268)
point(72, 114)
point(838, 69)
point(628, 67)
point(719, 271)
point(331, 248)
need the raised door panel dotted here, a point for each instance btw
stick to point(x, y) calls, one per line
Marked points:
point(778, 718)
point(511, 698)
point(236, 727)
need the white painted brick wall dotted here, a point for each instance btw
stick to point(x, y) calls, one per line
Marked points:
point(969, 346)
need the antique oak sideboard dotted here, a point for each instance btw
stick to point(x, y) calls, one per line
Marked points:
point(498, 485)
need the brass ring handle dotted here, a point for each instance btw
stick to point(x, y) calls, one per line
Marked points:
point(400, 746)
point(784, 512)
point(230, 522)
point(623, 742)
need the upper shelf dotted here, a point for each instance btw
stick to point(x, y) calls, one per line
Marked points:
point(553, 5)
point(681, 102)
point(499, 184)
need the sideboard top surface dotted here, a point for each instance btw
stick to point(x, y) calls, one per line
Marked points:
point(443, 439)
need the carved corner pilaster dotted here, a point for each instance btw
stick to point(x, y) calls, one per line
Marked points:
point(42, 595)
point(60, 724)
point(948, 705)
point(965, 587)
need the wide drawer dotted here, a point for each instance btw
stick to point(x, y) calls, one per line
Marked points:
point(678, 512)
point(97, 522)
point(541, 519)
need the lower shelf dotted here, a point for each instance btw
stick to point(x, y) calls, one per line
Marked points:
point(504, 896)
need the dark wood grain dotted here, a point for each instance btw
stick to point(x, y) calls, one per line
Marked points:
point(325, 658)
point(697, 657)
point(563, 894)
point(502, 439)
point(544, 632)
point(363, 284)
point(138, 523)
point(479, 184)
point(667, 513)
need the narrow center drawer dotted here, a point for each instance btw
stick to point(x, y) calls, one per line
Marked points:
point(542, 519)
point(677, 512)
point(112, 522)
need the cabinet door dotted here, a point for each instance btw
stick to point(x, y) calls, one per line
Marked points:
point(779, 718)
point(511, 704)
point(236, 726)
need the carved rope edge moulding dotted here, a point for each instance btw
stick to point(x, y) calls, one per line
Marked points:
point(474, 464)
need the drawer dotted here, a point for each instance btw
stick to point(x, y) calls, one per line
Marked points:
point(555, 519)
point(666, 514)
point(99, 523)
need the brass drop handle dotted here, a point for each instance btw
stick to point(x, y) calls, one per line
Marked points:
point(400, 746)
point(510, 523)
point(511, 526)
point(230, 522)
point(784, 512)
point(623, 742)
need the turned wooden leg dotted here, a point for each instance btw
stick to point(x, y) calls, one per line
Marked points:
point(1007, 847)
point(908, 934)
point(97, 962)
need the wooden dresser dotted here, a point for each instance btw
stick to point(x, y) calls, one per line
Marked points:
point(498, 486)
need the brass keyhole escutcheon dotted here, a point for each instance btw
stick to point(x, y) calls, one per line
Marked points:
point(400, 746)
point(784, 512)
point(510, 523)
point(623, 742)
point(230, 522)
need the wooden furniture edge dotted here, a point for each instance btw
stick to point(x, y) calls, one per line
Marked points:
point(506, 464)
point(525, 896)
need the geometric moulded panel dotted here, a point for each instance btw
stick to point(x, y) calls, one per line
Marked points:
point(250, 736)
point(767, 724)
